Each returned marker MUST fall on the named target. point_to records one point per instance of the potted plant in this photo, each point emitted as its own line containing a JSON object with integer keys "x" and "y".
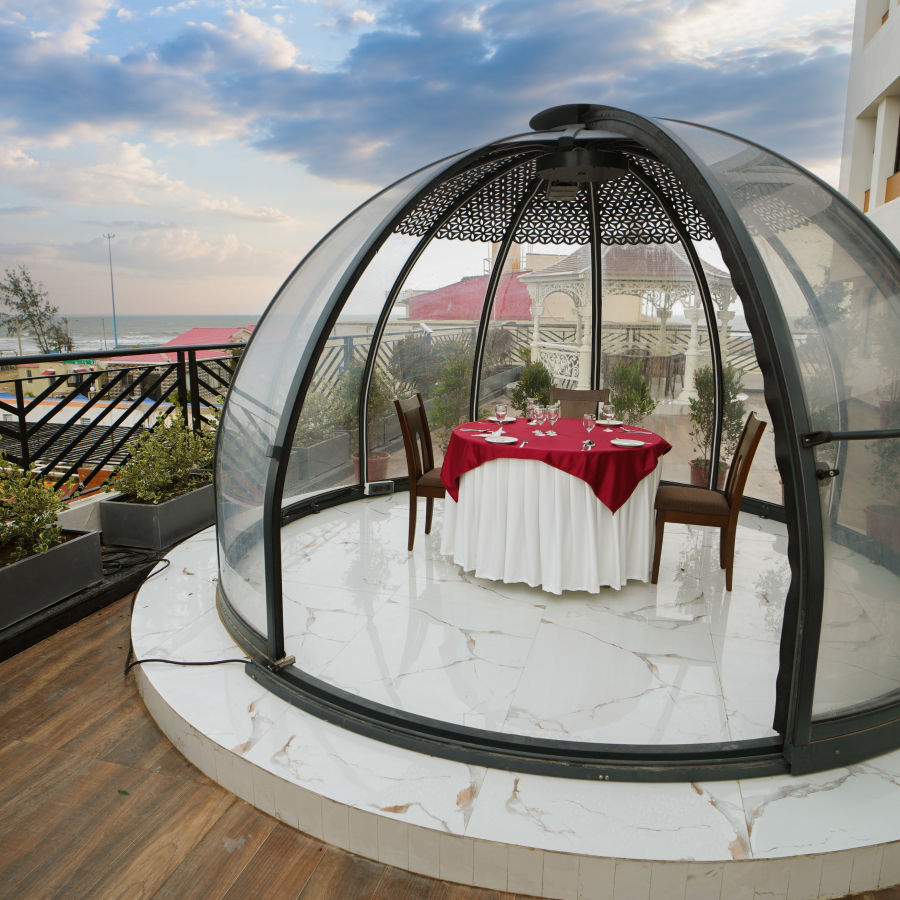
{"x": 703, "y": 421}
{"x": 40, "y": 564}
{"x": 629, "y": 394}
{"x": 382, "y": 392}
{"x": 534, "y": 380}
{"x": 165, "y": 490}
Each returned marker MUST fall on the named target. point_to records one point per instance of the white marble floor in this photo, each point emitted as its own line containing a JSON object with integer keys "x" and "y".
{"x": 679, "y": 662}
{"x": 684, "y": 661}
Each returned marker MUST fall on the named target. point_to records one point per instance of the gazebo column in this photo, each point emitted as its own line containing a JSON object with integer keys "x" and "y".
{"x": 691, "y": 356}
{"x": 663, "y": 314}
{"x": 585, "y": 321}
{"x": 725, "y": 317}
{"x": 537, "y": 310}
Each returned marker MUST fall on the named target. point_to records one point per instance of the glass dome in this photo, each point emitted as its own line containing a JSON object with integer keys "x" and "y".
{"x": 596, "y": 237}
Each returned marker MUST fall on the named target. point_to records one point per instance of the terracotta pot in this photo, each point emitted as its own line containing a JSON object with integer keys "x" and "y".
{"x": 376, "y": 465}
{"x": 700, "y": 474}
{"x": 883, "y": 525}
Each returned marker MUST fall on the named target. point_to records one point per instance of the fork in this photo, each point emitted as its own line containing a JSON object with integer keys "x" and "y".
{"x": 636, "y": 430}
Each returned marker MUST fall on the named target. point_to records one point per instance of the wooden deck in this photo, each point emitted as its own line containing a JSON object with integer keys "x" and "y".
{"x": 96, "y": 803}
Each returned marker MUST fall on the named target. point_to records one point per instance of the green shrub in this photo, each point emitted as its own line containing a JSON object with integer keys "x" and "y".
{"x": 28, "y": 511}
{"x": 450, "y": 404}
{"x": 167, "y": 461}
{"x": 629, "y": 393}
{"x": 382, "y": 392}
{"x": 703, "y": 412}
{"x": 535, "y": 381}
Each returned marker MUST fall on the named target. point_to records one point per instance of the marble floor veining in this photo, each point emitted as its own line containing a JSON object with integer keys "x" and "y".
{"x": 679, "y": 662}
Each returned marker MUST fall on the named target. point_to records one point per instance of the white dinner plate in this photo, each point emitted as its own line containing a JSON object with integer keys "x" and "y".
{"x": 627, "y": 442}
{"x": 507, "y": 419}
{"x": 610, "y": 422}
{"x": 501, "y": 439}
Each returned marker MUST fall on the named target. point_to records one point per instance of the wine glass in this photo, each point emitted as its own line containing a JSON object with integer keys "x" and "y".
{"x": 530, "y": 404}
{"x": 500, "y": 410}
{"x": 589, "y": 422}
{"x": 608, "y": 413}
{"x": 540, "y": 415}
{"x": 552, "y": 417}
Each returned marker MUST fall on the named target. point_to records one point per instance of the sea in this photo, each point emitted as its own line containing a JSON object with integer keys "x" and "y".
{"x": 97, "y": 332}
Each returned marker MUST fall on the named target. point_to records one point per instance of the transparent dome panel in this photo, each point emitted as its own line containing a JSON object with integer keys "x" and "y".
{"x": 837, "y": 281}
{"x": 429, "y": 345}
{"x": 839, "y": 289}
{"x": 558, "y": 332}
{"x": 261, "y": 394}
{"x": 325, "y": 446}
{"x": 859, "y": 649}
{"x": 654, "y": 328}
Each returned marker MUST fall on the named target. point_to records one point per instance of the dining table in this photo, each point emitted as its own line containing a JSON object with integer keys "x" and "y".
{"x": 566, "y": 511}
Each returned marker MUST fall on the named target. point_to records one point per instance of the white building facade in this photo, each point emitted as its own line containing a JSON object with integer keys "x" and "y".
{"x": 870, "y": 163}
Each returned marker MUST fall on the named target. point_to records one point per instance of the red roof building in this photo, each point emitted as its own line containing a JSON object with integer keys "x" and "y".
{"x": 189, "y": 338}
{"x": 463, "y": 301}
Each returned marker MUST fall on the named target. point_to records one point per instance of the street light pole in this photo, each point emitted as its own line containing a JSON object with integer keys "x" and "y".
{"x": 112, "y": 289}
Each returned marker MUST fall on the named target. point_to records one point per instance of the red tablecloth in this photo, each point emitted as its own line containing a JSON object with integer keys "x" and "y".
{"x": 612, "y": 472}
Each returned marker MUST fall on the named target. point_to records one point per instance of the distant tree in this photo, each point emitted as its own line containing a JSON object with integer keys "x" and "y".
{"x": 59, "y": 336}
{"x": 29, "y": 310}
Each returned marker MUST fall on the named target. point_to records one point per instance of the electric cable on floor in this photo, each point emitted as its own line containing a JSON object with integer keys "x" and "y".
{"x": 131, "y": 663}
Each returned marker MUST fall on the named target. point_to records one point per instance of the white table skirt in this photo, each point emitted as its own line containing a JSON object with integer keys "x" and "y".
{"x": 522, "y": 520}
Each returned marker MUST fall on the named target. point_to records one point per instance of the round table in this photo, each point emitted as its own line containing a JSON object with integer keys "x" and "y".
{"x": 547, "y": 512}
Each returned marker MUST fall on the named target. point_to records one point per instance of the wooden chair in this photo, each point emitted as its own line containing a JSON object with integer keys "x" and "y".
{"x": 424, "y": 478}
{"x": 573, "y": 404}
{"x": 700, "y": 506}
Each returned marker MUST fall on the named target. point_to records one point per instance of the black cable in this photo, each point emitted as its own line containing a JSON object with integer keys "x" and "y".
{"x": 153, "y": 571}
{"x": 131, "y": 663}
{"x": 181, "y": 662}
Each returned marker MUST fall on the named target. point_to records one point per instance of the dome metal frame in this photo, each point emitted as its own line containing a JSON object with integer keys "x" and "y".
{"x": 805, "y": 744}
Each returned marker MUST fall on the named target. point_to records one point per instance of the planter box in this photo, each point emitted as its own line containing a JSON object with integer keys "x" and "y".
{"x": 325, "y": 462}
{"x": 34, "y": 584}
{"x": 157, "y": 527}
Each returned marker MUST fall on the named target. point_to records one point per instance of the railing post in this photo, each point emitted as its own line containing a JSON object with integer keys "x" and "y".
{"x": 181, "y": 381}
{"x": 194, "y": 382}
{"x": 23, "y": 424}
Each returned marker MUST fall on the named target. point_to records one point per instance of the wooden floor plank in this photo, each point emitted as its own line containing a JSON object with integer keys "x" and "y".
{"x": 220, "y": 857}
{"x": 47, "y": 826}
{"x": 353, "y": 879}
{"x": 283, "y": 864}
{"x": 150, "y": 839}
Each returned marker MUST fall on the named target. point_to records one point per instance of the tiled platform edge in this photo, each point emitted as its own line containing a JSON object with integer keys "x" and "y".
{"x": 797, "y": 839}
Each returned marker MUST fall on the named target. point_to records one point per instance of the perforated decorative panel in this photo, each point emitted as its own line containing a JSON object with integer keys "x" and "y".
{"x": 629, "y": 213}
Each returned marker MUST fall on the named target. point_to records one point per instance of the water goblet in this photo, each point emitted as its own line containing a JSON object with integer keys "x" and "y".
{"x": 540, "y": 416}
{"x": 530, "y": 404}
{"x": 608, "y": 413}
{"x": 588, "y": 421}
{"x": 552, "y": 417}
{"x": 500, "y": 411}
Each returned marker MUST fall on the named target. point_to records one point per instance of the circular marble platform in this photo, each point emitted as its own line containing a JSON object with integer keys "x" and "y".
{"x": 796, "y": 838}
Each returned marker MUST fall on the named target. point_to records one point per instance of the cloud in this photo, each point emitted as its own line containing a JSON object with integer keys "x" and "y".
{"x": 425, "y": 79}
{"x": 24, "y": 211}
{"x": 234, "y": 208}
{"x": 125, "y": 174}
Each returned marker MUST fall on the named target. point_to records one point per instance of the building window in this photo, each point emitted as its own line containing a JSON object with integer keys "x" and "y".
{"x": 897, "y": 151}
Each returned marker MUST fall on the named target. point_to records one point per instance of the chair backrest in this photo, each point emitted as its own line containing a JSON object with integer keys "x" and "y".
{"x": 573, "y": 404}
{"x": 416, "y": 435}
{"x": 743, "y": 456}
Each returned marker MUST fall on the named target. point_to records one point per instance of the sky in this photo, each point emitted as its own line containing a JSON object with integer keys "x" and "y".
{"x": 218, "y": 141}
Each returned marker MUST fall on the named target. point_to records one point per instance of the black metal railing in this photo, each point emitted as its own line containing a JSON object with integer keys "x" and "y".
{"x": 79, "y": 421}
